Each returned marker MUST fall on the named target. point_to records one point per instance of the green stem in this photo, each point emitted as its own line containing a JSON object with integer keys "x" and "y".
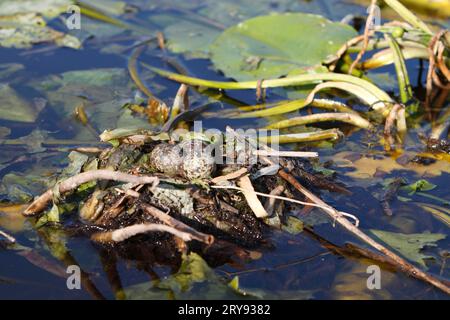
{"x": 350, "y": 118}
{"x": 400, "y": 68}
{"x": 331, "y": 134}
{"x": 285, "y": 107}
{"x": 408, "y": 16}
{"x": 386, "y": 57}
{"x": 298, "y": 80}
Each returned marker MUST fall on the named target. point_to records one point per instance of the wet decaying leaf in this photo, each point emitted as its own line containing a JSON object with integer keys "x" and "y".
{"x": 55, "y": 102}
{"x": 102, "y": 93}
{"x": 196, "y": 280}
{"x": 48, "y": 8}
{"x": 27, "y": 29}
{"x": 366, "y": 167}
{"x": 13, "y": 107}
{"x": 410, "y": 245}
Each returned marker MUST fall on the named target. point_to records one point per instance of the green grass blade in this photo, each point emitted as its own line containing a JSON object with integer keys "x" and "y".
{"x": 408, "y": 16}
{"x": 400, "y": 67}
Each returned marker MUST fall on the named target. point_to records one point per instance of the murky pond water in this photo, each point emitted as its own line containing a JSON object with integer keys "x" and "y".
{"x": 47, "y": 83}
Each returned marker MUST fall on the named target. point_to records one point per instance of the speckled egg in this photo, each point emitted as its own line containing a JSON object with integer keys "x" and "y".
{"x": 196, "y": 162}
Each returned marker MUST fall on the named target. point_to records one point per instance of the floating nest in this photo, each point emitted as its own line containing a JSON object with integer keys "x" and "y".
{"x": 160, "y": 191}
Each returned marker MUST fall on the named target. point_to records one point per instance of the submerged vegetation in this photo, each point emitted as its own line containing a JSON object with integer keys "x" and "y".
{"x": 110, "y": 154}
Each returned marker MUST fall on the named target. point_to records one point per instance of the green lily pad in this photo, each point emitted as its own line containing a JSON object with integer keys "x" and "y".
{"x": 271, "y": 46}
{"x": 193, "y": 41}
{"x": 13, "y": 107}
{"x": 409, "y": 245}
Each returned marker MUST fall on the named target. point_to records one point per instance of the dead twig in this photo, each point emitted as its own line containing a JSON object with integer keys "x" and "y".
{"x": 122, "y": 234}
{"x": 230, "y": 176}
{"x": 394, "y": 116}
{"x": 367, "y": 29}
{"x": 251, "y": 198}
{"x": 272, "y": 196}
{"x": 11, "y": 239}
{"x": 432, "y": 46}
{"x": 74, "y": 182}
{"x": 181, "y": 102}
{"x": 441, "y": 62}
{"x": 290, "y": 154}
{"x": 270, "y": 203}
{"x": 174, "y": 223}
{"x": 341, "y": 219}
{"x": 161, "y": 40}
{"x": 342, "y": 50}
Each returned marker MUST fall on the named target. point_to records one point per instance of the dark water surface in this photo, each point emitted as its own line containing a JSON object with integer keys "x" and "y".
{"x": 290, "y": 266}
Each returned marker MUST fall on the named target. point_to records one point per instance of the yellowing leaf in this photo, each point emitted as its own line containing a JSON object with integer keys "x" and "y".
{"x": 366, "y": 167}
{"x": 13, "y": 107}
{"x": 48, "y": 8}
{"x": 409, "y": 245}
{"x": 11, "y": 217}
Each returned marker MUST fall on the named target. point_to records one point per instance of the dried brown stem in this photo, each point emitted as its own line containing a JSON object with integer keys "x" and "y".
{"x": 74, "y": 182}
{"x": 122, "y": 234}
{"x": 251, "y": 197}
{"x": 11, "y": 239}
{"x": 174, "y": 223}
{"x": 290, "y": 154}
{"x": 270, "y": 203}
{"x": 441, "y": 62}
{"x": 389, "y": 125}
{"x": 367, "y": 29}
{"x": 181, "y": 102}
{"x": 230, "y": 176}
{"x": 342, "y": 50}
{"x": 431, "y": 70}
{"x": 340, "y": 219}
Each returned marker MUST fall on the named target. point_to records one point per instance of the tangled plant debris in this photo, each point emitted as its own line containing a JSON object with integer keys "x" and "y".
{"x": 148, "y": 193}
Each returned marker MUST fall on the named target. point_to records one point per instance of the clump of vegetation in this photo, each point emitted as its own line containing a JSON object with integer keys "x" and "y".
{"x": 154, "y": 192}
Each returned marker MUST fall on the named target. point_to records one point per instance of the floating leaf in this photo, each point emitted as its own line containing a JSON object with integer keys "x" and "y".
{"x": 272, "y": 46}
{"x": 13, "y": 107}
{"x": 293, "y": 225}
{"x": 367, "y": 167}
{"x": 194, "y": 280}
{"x": 269, "y": 294}
{"x": 102, "y": 91}
{"x": 11, "y": 217}
{"x": 48, "y": 8}
{"x": 4, "y": 132}
{"x": 77, "y": 161}
{"x": 409, "y": 245}
{"x": 25, "y": 30}
{"x": 190, "y": 37}
{"x": 110, "y": 7}
{"x": 420, "y": 185}
{"x": 441, "y": 213}
{"x": 9, "y": 69}
{"x": 51, "y": 216}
